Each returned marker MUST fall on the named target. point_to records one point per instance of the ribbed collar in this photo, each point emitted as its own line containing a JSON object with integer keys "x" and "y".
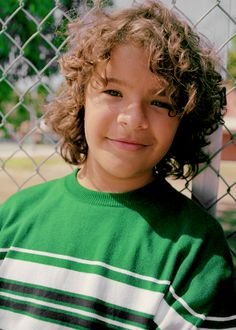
{"x": 146, "y": 194}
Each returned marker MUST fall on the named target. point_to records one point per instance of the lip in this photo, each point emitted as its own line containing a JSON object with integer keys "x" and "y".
{"x": 126, "y": 144}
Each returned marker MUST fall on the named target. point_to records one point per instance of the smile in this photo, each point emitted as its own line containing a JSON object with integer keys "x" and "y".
{"x": 126, "y": 144}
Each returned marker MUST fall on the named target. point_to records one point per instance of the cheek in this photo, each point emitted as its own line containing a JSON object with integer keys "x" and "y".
{"x": 167, "y": 125}
{"x": 166, "y": 131}
{"x": 89, "y": 123}
{"x": 95, "y": 124}
{"x": 172, "y": 132}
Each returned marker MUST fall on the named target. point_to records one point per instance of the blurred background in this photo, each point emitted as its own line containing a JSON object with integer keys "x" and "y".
{"x": 32, "y": 37}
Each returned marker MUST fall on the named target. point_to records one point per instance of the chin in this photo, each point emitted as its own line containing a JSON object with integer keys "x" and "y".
{"x": 126, "y": 173}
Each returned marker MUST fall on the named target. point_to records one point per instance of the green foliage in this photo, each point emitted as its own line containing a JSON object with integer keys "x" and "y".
{"x": 29, "y": 23}
{"x": 232, "y": 59}
{"x": 29, "y": 40}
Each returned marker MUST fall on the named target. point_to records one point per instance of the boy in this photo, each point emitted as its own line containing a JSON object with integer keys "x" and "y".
{"x": 113, "y": 245}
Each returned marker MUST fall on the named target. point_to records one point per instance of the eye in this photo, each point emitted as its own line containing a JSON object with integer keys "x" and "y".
{"x": 160, "y": 104}
{"x": 113, "y": 92}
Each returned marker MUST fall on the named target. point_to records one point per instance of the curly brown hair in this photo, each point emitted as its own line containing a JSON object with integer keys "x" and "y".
{"x": 176, "y": 54}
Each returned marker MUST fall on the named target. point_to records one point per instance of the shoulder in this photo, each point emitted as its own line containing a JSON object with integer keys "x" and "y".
{"x": 32, "y": 198}
{"x": 185, "y": 217}
{"x": 193, "y": 228}
{"x": 185, "y": 208}
{"x": 31, "y": 193}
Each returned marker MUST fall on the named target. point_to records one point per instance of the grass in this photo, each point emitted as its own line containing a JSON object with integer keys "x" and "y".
{"x": 26, "y": 164}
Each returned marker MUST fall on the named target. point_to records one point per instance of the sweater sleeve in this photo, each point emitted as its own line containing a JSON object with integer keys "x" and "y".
{"x": 3, "y": 239}
{"x": 5, "y": 212}
{"x": 1, "y": 217}
{"x": 203, "y": 290}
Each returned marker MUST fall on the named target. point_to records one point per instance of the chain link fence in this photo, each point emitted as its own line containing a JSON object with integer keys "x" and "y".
{"x": 31, "y": 40}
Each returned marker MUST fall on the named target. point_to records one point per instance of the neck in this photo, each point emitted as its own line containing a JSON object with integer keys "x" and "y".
{"x": 90, "y": 179}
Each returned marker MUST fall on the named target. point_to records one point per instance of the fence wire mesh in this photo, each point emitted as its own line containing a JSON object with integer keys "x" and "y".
{"x": 31, "y": 40}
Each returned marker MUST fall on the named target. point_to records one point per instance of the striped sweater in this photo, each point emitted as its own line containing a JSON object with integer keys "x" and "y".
{"x": 72, "y": 258}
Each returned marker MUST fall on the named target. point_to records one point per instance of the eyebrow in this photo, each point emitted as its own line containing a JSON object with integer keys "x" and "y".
{"x": 116, "y": 81}
{"x": 158, "y": 92}
{"x": 154, "y": 91}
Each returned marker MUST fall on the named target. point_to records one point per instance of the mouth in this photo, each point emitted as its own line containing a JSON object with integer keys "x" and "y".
{"x": 125, "y": 144}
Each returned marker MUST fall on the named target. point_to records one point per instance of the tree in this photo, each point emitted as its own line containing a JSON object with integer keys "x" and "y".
{"x": 231, "y": 67}
{"x": 31, "y": 38}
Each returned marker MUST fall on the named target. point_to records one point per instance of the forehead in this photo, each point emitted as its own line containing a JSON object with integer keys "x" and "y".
{"x": 129, "y": 65}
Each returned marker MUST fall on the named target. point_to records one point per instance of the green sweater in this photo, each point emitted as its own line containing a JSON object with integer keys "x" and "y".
{"x": 72, "y": 258}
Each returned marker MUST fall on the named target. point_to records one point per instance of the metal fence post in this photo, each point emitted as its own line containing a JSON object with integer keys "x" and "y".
{"x": 205, "y": 184}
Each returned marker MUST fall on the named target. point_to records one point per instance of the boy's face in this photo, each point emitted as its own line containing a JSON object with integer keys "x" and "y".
{"x": 127, "y": 126}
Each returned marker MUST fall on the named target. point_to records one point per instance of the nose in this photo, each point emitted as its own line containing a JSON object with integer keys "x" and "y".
{"x": 133, "y": 116}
